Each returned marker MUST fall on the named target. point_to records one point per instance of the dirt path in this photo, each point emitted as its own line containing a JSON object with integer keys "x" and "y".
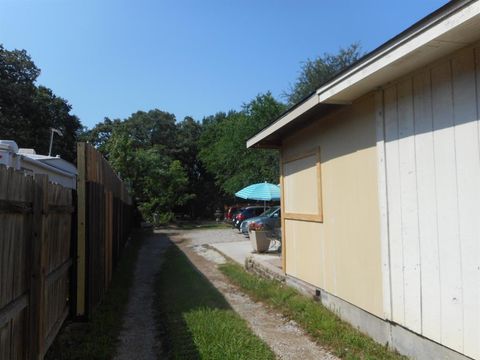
{"x": 285, "y": 338}
{"x": 139, "y": 339}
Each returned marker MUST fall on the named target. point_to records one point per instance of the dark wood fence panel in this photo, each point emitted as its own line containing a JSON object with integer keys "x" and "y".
{"x": 96, "y": 244}
{"x": 16, "y": 219}
{"x": 35, "y": 259}
{"x": 104, "y": 223}
{"x": 58, "y": 261}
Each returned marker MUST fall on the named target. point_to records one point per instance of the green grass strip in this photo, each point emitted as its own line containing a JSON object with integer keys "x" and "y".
{"x": 98, "y": 338}
{"x": 324, "y": 326}
{"x": 196, "y": 320}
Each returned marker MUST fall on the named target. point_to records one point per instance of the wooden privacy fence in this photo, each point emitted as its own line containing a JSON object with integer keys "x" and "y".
{"x": 104, "y": 223}
{"x": 35, "y": 259}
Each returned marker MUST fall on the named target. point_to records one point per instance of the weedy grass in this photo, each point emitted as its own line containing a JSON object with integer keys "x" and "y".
{"x": 98, "y": 338}
{"x": 203, "y": 225}
{"x": 321, "y": 324}
{"x": 195, "y": 320}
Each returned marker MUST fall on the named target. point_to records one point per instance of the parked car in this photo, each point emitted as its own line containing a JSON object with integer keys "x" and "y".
{"x": 247, "y": 213}
{"x": 231, "y": 212}
{"x": 270, "y": 219}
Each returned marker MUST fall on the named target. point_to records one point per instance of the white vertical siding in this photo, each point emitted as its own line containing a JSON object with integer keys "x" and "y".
{"x": 383, "y": 204}
{"x": 468, "y": 183}
{"x": 408, "y": 206}
{"x": 394, "y": 207}
{"x": 427, "y": 207}
{"x": 432, "y": 162}
{"x": 447, "y": 206}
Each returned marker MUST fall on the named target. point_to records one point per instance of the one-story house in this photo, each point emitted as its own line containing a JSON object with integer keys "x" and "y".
{"x": 380, "y": 175}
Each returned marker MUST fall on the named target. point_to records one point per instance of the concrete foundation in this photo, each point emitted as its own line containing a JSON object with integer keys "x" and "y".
{"x": 385, "y": 332}
{"x": 395, "y": 336}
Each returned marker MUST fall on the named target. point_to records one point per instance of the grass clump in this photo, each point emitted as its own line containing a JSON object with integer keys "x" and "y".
{"x": 324, "y": 326}
{"x": 196, "y": 320}
{"x": 98, "y": 338}
{"x": 201, "y": 225}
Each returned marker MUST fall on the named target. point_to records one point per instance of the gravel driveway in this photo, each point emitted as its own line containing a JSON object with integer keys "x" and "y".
{"x": 283, "y": 336}
{"x": 140, "y": 338}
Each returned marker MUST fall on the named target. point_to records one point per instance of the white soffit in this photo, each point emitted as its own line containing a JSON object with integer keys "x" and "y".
{"x": 403, "y": 56}
{"x": 299, "y": 110}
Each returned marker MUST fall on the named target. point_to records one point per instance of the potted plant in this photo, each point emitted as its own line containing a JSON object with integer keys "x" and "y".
{"x": 259, "y": 237}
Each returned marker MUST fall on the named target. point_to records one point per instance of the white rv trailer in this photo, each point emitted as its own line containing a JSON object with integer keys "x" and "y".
{"x": 59, "y": 171}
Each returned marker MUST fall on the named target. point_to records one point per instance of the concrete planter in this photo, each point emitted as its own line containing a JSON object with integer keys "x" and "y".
{"x": 260, "y": 241}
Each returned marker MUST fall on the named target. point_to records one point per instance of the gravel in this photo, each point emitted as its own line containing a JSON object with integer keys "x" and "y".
{"x": 139, "y": 338}
{"x": 287, "y": 340}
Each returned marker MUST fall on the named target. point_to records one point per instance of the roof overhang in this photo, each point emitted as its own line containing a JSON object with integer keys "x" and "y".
{"x": 455, "y": 25}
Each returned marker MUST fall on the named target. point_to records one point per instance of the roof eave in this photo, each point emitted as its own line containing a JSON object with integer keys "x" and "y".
{"x": 429, "y": 39}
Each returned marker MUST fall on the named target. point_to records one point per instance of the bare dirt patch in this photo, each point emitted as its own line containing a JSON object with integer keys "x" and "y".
{"x": 139, "y": 338}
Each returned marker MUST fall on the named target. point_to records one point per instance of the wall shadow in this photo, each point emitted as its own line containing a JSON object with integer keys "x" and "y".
{"x": 180, "y": 290}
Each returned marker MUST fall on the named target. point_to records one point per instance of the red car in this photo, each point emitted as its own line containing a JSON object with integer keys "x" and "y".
{"x": 231, "y": 212}
{"x": 247, "y": 213}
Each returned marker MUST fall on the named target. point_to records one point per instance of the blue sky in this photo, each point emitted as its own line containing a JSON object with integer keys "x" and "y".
{"x": 188, "y": 57}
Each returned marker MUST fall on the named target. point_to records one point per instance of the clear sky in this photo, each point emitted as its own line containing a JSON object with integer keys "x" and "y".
{"x": 188, "y": 57}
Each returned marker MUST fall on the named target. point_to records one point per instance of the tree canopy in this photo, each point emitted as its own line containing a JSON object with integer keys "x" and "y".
{"x": 28, "y": 111}
{"x": 223, "y": 150}
{"x": 158, "y": 157}
{"x": 173, "y": 167}
{"x": 314, "y": 73}
{"x": 193, "y": 167}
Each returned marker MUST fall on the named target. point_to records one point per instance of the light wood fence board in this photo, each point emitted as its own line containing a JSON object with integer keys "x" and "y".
{"x": 35, "y": 219}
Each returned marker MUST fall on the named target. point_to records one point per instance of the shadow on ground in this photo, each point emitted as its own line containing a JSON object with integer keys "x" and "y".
{"x": 181, "y": 293}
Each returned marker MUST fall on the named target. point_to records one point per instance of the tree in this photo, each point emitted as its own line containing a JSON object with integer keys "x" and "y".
{"x": 53, "y": 112}
{"x": 152, "y": 128}
{"x": 99, "y": 135}
{"x": 165, "y": 188}
{"x": 315, "y": 72}
{"x": 188, "y": 133}
{"x": 223, "y": 150}
{"x": 159, "y": 183}
{"x": 27, "y": 111}
{"x": 18, "y": 74}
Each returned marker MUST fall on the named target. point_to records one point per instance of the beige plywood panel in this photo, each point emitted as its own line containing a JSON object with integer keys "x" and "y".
{"x": 304, "y": 248}
{"x": 353, "y": 231}
{"x": 349, "y": 243}
{"x": 300, "y": 181}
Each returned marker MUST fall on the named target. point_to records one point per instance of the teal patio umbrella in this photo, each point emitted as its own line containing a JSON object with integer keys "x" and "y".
{"x": 261, "y": 191}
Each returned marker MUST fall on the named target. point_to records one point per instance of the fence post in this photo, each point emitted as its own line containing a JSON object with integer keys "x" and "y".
{"x": 81, "y": 246}
{"x": 73, "y": 255}
{"x": 37, "y": 279}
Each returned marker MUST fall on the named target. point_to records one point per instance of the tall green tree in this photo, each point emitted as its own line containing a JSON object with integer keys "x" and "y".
{"x": 138, "y": 149}
{"x": 200, "y": 182}
{"x": 152, "y": 128}
{"x": 314, "y": 73}
{"x": 222, "y": 145}
{"x": 100, "y": 134}
{"x": 54, "y": 112}
{"x": 28, "y": 111}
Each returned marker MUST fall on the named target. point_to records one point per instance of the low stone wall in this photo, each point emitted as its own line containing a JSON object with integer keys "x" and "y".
{"x": 263, "y": 268}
